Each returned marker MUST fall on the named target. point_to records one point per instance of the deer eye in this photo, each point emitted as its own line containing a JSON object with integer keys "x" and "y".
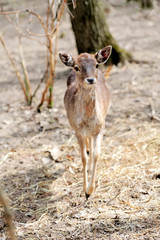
{"x": 76, "y": 68}
{"x": 97, "y": 65}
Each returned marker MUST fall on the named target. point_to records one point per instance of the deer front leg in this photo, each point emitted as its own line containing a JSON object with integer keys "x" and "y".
{"x": 96, "y": 154}
{"x": 82, "y": 144}
{"x": 90, "y": 153}
{"x": 89, "y": 147}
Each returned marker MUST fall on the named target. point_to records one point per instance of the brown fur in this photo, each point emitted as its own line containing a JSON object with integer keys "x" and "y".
{"x": 86, "y": 105}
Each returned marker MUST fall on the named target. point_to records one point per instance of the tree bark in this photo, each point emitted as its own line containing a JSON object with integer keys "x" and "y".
{"x": 92, "y": 32}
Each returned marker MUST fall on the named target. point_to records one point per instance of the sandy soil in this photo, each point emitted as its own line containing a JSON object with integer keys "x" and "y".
{"x": 40, "y": 168}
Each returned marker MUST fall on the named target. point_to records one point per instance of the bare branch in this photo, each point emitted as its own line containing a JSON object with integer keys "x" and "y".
{"x": 22, "y": 33}
{"x": 23, "y": 62}
{"x": 53, "y": 63}
{"x": 74, "y": 3}
{"x": 13, "y": 12}
{"x": 42, "y": 79}
{"x": 69, "y": 11}
{"x": 32, "y": 13}
{"x": 14, "y": 66}
{"x": 40, "y": 20}
{"x": 54, "y": 15}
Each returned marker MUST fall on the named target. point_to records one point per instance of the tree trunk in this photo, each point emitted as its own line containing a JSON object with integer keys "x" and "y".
{"x": 92, "y": 32}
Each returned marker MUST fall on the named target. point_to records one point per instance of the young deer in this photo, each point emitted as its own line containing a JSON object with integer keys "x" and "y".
{"x": 87, "y": 101}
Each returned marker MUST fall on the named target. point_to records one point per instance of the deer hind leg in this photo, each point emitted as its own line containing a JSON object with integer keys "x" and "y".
{"x": 96, "y": 154}
{"x": 82, "y": 144}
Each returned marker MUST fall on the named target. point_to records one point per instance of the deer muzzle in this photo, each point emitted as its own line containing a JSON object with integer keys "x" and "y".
{"x": 90, "y": 80}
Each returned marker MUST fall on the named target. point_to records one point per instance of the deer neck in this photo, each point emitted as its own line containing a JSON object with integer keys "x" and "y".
{"x": 87, "y": 101}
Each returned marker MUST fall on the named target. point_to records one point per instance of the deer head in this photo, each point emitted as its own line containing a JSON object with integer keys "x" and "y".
{"x": 86, "y": 65}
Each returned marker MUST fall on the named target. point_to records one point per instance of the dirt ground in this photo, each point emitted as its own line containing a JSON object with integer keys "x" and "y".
{"x": 40, "y": 167}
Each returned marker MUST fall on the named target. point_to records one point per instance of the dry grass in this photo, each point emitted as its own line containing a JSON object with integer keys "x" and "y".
{"x": 47, "y": 199}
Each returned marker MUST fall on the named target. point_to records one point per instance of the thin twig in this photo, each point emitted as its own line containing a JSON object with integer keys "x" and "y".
{"x": 70, "y": 13}
{"x": 42, "y": 79}
{"x": 41, "y": 21}
{"x": 50, "y": 81}
{"x": 14, "y": 66}
{"x": 13, "y": 12}
{"x": 59, "y": 16}
{"x": 22, "y": 33}
{"x": 44, "y": 93}
{"x": 74, "y": 4}
{"x": 7, "y": 214}
{"x": 35, "y": 34}
{"x": 26, "y": 78}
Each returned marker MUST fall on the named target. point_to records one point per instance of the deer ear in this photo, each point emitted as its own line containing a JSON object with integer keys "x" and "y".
{"x": 67, "y": 59}
{"x": 103, "y": 54}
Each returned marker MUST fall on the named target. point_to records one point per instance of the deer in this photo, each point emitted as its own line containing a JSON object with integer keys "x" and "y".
{"x": 87, "y": 101}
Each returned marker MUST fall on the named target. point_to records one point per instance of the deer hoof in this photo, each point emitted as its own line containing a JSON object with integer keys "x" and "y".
{"x": 87, "y": 195}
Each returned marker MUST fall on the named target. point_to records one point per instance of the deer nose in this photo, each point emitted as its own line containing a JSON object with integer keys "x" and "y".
{"x": 91, "y": 80}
